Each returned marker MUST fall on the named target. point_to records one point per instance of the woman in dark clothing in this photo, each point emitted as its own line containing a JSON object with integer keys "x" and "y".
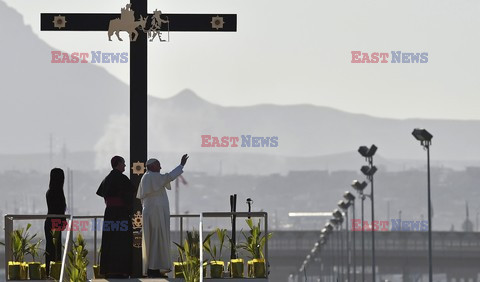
{"x": 117, "y": 234}
{"x": 56, "y": 205}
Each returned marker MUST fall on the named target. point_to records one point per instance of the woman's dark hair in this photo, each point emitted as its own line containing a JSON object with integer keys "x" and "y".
{"x": 57, "y": 178}
{"x": 55, "y": 195}
{"x": 116, "y": 160}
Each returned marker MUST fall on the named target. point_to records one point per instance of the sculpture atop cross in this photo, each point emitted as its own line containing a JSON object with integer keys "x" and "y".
{"x": 138, "y": 71}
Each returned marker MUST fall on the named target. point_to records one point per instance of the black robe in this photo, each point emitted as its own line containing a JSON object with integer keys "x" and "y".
{"x": 117, "y": 236}
{"x": 56, "y": 205}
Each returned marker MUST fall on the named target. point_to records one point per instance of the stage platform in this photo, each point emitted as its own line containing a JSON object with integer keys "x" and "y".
{"x": 182, "y": 280}
{"x": 169, "y": 280}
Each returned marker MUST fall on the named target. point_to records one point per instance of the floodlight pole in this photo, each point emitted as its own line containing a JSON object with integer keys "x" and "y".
{"x": 339, "y": 260}
{"x": 425, "y": 139}
{"x": 337, "y": 256}
{"x": 430, "y": 272}
{"x": 342, "y": 255}
{"x": 363, "y": 241}
{"x": 370, "y": 161}
{"x": 347, "y": 245}
{"x": 354, "y": 252}
{"x": 330, "y": 269}
{"x": 334, "y": 256}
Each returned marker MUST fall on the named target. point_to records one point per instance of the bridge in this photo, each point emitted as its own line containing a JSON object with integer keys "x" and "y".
{"x": 456, "y": 255}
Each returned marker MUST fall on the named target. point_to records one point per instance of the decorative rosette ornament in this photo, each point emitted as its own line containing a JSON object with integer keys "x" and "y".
{"x": 217, "y": 22}
{"x": 138, "y": 168}
{"x": 59, "y": 22}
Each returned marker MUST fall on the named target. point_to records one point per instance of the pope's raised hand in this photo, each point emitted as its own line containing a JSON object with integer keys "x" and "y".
{"x": 184, "y": 159}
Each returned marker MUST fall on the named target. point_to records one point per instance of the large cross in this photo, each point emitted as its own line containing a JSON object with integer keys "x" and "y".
{"x": 138, "y": 71}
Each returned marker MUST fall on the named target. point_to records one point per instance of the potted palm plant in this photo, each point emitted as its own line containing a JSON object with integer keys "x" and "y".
{"x": 78, "y": 262}
{"x": 34, "y": 267}
{"x": 254, "y": 244}
{"x": 18, "y": 268}
{"x": 188, "y": 266}
{"x": 235, "y": 265}
{"x": 216, "y": 264}
{"x": 56, "y": 265}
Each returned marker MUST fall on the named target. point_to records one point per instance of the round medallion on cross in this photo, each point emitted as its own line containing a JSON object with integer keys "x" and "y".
{"x": 217, "y": 22}
{"x": 138, "y": 168}
{"x": 59, "y": 22}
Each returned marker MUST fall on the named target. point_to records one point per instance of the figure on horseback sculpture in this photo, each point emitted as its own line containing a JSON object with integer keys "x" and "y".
{"x": 127, "y": 23}
{"x": 127, "y": 14}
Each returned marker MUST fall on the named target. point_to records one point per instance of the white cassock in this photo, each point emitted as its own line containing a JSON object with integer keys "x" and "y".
{"x": 156, "y": 219}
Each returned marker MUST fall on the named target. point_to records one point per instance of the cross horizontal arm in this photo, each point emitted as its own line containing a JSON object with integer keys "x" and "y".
{"x": 198, "y": 22}
{"x": 100, "y": 22}
{"x": 78, "y": 22}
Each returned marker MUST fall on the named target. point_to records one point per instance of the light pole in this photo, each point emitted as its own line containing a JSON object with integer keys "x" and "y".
{"x": 359, "y": 187}
{"x": 334, "y": 222}
{"x": 339, "y": 217}
{"x": 369, "y": 171}
{"x": 322, "y": 240}
{"x": 313, "y": 253}
{"x": 344, "y": 205}
{"x": 320, "y": 246}
{"x": 351, "y": 199}
{"x": 425, "y": 139}
{"x": 327, "y": 231}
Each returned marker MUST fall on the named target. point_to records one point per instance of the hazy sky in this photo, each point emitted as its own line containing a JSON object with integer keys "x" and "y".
{"x": 291, "y": 52}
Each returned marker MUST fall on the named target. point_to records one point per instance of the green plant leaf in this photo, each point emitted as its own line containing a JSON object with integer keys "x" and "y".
{"x": 77, "y": 258}
{"x": 221, "y": 238}
{"x": 179, "y": 246}
{"x": 255, "y": 242}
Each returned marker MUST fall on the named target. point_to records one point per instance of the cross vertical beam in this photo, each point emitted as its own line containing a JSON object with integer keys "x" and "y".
{"x": 138, "y": 116}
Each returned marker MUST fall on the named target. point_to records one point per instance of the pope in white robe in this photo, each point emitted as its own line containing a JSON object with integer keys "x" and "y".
{"x": 156, "y": 217}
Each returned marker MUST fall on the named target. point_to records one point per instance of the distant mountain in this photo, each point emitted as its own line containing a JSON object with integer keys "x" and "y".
{"x": 177, "y": 124}
{"x": 86, "y": 109}
{"x": 71, "y": 101}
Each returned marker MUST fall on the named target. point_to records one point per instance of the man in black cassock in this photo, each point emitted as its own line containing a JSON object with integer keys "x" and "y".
{"x": 117, "y": 236}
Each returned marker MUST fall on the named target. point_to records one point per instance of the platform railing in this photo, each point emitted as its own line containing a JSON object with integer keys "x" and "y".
{"x": 8, "y": 228}
{"x": 10, "y": 218}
